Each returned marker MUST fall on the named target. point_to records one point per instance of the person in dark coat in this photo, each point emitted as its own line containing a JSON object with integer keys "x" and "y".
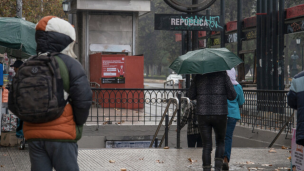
{"x": 193, "y": 136}
{"x": 296, "y": 101}
{"x": 211, "y": 92}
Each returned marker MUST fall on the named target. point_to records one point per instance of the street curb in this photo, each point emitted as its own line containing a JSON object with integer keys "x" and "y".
{"x": 153, "y": 81}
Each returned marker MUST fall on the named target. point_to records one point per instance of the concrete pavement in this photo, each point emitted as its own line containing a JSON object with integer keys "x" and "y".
{"x": 243, "y": 159}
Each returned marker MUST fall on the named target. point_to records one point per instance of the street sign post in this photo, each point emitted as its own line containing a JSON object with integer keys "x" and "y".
{"x": 188, "y": 22}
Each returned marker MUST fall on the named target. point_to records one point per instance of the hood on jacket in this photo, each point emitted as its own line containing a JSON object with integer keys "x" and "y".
{"x": 55, "y": 35}
{"x": 231, "y": 74}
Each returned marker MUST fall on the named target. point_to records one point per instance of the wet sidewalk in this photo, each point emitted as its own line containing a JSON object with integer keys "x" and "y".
{"x": 12, "y": 159}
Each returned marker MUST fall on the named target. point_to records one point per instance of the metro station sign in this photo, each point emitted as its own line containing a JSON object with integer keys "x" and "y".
{"x": 185, "y": 22}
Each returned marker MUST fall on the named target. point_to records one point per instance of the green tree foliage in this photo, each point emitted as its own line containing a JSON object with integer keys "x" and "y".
{"x": 33, "y": 10}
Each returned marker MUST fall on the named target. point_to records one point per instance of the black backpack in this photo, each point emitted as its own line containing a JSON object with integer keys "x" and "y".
{"x": 37, "y": 90}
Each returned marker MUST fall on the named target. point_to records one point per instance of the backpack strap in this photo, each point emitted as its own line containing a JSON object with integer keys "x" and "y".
{"x": 53, "y": 54}
{"x": 64, "y": 74}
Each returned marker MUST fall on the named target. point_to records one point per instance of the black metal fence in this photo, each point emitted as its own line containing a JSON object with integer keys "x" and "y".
{"x": 267, "y": 110}
{"x": 130, "y": 106}
{"x": 262, "y": 109}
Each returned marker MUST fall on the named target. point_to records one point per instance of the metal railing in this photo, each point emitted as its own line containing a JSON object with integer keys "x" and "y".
{"x": 262, "y": 109}
{"x": 266, "y": 109}
{"x": 169, "y": 81}
{"x": 175, "y": 101}
{"x": 130, "y": 106}
{"x": 171, "y": 101}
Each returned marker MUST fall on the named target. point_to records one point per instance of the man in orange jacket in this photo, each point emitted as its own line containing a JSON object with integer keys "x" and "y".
{"x": 54, "y": 144}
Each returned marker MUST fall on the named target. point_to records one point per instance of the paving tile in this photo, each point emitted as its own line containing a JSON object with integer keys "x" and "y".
{"x": 151, "y": 159}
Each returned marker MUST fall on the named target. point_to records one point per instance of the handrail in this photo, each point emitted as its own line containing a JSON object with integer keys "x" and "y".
{"x": 171, "y": 100}
{"x": 163, "y": 117}
{"x": 172, "y": 118}
{"x": 188, "y": 101}
{"x": 167, "y": 82}
{"x": 280, "y": 132}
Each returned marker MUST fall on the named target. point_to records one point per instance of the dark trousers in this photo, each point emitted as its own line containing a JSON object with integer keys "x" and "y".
{"x": 218, "y": 123}
{"x": 194, "y": 139}
{"x": 45, "y": 155}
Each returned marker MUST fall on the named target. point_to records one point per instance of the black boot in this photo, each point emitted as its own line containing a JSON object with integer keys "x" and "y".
{"x": 225, "y": 166}
{"x": 207, "y": 168}
{"x": 218, "y": 164}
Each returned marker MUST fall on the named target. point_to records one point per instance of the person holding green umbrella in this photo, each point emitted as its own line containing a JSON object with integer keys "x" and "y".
{"x": 211, "y": 87}
{"x": 211, "y": 92}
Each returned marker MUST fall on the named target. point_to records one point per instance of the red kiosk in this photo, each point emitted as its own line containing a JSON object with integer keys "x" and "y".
{"x": 122, "y": 72}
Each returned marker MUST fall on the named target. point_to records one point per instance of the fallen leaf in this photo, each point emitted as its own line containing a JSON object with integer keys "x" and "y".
{"x": 2, "y": 166}
{"x": 141, "y": 158}
{"x": 272, "y": 150}
{"x": 289, "y": 158}
{"x": 192, "y": 161}
{"x": 241, "y": 163}
{"x": 283, "y": 147}
{"x": 112, "y": 161}
{"x": 123, "y": 169}
{"x": 118, "y": 123}
{"x": 266, "y": 164}
{"x": 249, "y": 162}
{"x": 157, "y": 161}
{"x": 166, "y": 147}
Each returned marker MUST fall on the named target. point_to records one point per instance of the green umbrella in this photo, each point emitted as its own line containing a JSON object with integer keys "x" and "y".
{"x": 17, "y": 37}
{"x": 205, "y": 61}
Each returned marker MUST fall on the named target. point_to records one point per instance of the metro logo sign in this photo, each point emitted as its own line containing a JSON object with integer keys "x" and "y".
{"x": 189, "y": 21}
{"x": 185, "y": 22}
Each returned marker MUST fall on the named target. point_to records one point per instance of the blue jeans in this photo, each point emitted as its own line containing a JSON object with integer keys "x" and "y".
{"x": 231, "y": 122}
